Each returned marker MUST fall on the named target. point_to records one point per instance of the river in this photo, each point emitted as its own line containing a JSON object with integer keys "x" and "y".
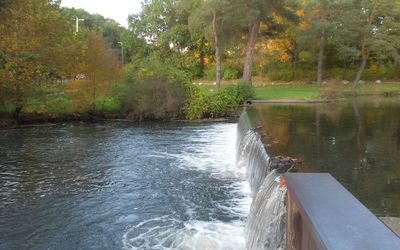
{"x": 120, "y": 185}
{"x": 116, "y": 185}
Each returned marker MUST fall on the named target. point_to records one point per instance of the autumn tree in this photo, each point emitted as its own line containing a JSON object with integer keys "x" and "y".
{"x": 101, "y": 66}
{"x": 36, "y": 48}
{"x": 260, "y": 13}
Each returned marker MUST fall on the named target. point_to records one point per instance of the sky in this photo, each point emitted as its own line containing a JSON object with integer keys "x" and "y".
{"x": 114, "y": 9}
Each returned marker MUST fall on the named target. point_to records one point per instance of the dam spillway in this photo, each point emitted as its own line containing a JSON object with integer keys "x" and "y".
{"x": 343, "y": 222}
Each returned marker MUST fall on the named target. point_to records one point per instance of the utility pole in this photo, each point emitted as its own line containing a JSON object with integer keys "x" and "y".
{"x": 122, "y": 52}
{"x": 77, "y": 20}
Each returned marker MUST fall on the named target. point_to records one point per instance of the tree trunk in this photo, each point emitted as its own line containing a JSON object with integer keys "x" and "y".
{"x": 321, "y": 58}
{"x": 251, "y": 46}
{"x": 360, "y": 70}
{"x": 217, "y": 52}
{"x": 202, "y": 56}
{"x": 94, "y": 92}
{"x": 293, "y": 62}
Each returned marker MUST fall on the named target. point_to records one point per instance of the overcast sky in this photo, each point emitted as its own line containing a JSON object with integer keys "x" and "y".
{"x": 115, "y": 9}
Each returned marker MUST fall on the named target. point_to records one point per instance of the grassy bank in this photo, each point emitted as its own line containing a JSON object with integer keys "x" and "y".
{"x": 73, "y": 101}
{"x": 329, "y": 91}
{"x": 295, "y": 92}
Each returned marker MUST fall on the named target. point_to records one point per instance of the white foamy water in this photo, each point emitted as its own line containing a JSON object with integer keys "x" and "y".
{"x": 210, "y": 151}
{"x": 168, "y": 233}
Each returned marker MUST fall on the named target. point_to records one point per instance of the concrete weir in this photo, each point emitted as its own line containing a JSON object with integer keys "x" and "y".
{"x": 322, "y": 214}
{"x": 304, "y": 211}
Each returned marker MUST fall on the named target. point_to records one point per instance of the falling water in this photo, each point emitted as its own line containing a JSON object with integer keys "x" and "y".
{"x": 266, "y": 226}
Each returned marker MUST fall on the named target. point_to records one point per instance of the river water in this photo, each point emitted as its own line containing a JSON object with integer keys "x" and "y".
{"x": 115, "y": 185}
{"x": 357, "y": 141}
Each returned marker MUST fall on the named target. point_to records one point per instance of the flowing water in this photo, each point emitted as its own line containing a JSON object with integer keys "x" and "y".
{"x": 122, "y": 186}
{"x": 116, "y": 185}
{"x": 266, "y": 223}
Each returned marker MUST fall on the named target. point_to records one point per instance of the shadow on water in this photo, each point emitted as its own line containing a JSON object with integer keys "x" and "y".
{"x": 358, "y": 142}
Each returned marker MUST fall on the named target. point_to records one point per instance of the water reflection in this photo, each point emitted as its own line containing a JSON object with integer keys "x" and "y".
{"x": 358, "y": 142}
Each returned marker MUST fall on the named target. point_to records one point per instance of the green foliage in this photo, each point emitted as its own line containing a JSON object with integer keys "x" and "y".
{"x": 60, "y": 104}
{"x": 154, "y": 90}
{"x": 227, "y": 73}
{"x": 6, "y": 107}
{"x": 209, "y": 73}
{"x": 196, "y": 105}
{"x": 108, "y": 28}
{"x": 230, "y": 74}
{"x": 108, "y": 104}
{"x": 288, "y": 75}
{"x": 220, "y": 104}
{"x": 36, "y": 48}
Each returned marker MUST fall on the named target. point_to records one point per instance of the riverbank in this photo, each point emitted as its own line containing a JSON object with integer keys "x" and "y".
{"x": 330, "y": 91}
{"x": 7, "y": 120}
{"x": 272, "y": 92}
{"x": 295, "y": 91}
{"x": 36, "y": 120}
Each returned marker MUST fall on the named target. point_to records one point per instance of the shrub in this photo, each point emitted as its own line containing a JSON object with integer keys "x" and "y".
{"x": 59, "y": 104}
{"x": 196, "y": 105}
{"x": 230, "y": 74}
{"x": 210, "y": 73}
{"x": 220, "y": 104}
{"x": 108, "y": 104}
{"x": 154, "y": 90}
{"x": 288, "y": 75}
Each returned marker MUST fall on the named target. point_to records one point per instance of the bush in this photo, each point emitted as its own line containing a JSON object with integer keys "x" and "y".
{"x": 7, "y": 107}
{"x": 108, "y": 104}
{"x": 288, "y": 75}
{"x": 59, "y": 104}
{"x": 230, "y": 74}
{"x": 196, "y": 105}
{"x": 210, "y": 73}
{"x": 154, "y": 90}
{"x": 220, "y": 104}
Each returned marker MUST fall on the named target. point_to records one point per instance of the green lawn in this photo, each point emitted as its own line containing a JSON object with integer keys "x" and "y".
{"x": 293, "y": 92}
{"x": 312, "y": 92}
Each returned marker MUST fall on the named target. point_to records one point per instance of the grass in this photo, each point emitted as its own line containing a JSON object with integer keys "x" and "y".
{"x": 293, "y": 92}
{"x": 312, "y": 92}
{"x": 308, "y": 92}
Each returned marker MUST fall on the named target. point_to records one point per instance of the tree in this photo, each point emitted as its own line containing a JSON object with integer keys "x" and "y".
{"x": 36, "y": 48}
{"x": 320, "y": 28}
{"x": 325, "y": 21}
{"x": 101, "y": 65}
{"x": 163, "y": 26}
{"x": 218, "y": 21}
{"x": 378, "y": 31}
{"x": 108, "y": 28}
{"x": 258, "y": 12}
